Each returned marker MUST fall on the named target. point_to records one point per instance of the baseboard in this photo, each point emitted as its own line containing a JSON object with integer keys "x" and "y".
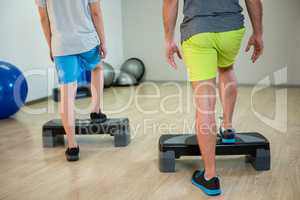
{"x": 39, "y": 100}
{"x": 240, "y": 84}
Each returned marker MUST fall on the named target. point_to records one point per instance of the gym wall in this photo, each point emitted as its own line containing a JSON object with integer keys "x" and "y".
{"x": 23, "y": 44}
{"x": 143, "y": 38}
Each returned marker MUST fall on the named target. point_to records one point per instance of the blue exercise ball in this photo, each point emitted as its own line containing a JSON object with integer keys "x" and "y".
{"x": 13, "y": 89}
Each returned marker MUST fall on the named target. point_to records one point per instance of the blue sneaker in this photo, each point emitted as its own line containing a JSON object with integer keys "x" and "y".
{"x": 210, "y": 187}
{"x": 228, "y": 135}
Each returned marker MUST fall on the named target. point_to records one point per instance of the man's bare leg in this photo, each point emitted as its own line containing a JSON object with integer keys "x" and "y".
{"x": 67, "y": 106}
{"x": 228, "y": 94}
{"x": 97, "y": 85}
{"x": 205, "y": 99}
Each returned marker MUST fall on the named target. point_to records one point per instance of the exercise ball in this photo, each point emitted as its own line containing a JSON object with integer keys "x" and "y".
{"x": 135, "y": 67}
{"x": 125, "y": 79}
{"x": 13, "y": 89}
{"x": 109, "y": 74}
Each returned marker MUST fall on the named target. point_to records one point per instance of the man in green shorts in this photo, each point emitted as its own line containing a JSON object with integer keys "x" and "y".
{"x": 211, "y": 36}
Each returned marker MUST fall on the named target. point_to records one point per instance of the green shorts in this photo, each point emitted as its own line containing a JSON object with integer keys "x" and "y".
{"x": 205, "y": 52}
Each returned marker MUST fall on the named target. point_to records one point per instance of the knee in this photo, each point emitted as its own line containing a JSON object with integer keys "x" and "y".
{"x": 98, "y": 67}
{"x": 227, "y": 77}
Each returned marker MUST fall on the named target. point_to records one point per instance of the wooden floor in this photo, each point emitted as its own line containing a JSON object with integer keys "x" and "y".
{"x": 27, "y": 171}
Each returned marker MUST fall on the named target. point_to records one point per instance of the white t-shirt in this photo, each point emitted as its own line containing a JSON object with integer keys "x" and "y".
{"x": 72, "y": 27}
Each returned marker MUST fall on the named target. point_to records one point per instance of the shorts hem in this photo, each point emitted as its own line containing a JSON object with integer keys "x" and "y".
{"x": 67, "y": 82}
{"x": 95, "y": 66}
{"x": 227, "y": 65}
{"x": 202, "y": 79}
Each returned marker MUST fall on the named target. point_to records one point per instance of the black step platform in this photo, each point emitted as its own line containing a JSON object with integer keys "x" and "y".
{"x": 254, "y": 145}
{"x": 53, "y": 131}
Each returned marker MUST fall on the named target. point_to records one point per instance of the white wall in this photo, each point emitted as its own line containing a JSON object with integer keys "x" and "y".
{"x": 112, "y": 11}
{"x": 143, "y": 38}
{"x": 22, "y": 42}
{"x": 134, "y": 27}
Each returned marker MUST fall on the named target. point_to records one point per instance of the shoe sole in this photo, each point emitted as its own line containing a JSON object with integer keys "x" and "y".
{"x": 208, "y": 192}
{"x": 72, "y": 158}
{"x": 228, "y": 141}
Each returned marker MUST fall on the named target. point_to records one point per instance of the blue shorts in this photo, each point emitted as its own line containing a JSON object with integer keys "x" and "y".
{"x": 70, "y": 67}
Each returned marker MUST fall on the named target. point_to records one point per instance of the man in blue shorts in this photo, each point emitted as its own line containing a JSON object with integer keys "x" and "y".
{"x": 75, "y": 35}
{"x": 211, "y": 36}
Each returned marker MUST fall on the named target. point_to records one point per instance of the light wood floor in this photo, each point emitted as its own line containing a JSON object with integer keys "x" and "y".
{"x": 27, "y": 171}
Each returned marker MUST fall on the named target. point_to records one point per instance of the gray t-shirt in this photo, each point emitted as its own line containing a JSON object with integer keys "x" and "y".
{"x": 210, "y": 16}
{"x": 72, "y": 27}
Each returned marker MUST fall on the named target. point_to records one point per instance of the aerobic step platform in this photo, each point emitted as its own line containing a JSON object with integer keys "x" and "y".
{"x": 53, "y": 131}
{"x": 254, "y": 145}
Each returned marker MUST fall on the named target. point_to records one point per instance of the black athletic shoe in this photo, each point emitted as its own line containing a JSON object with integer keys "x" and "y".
{"x": 98, "y": 117}
{"x": 72, "y": 154}
{"x": 228, "y": 135}
{"x": 210, "y": 187}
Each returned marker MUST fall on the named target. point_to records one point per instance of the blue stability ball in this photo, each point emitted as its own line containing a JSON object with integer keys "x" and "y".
{"x": 13, "y": 90}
